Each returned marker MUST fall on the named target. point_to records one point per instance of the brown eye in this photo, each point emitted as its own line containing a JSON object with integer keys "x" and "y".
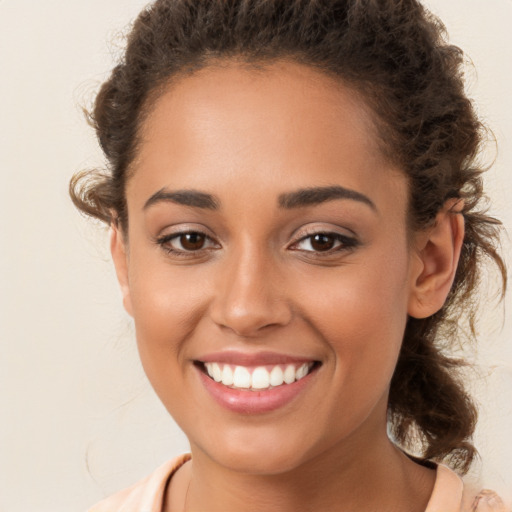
{"x": 192, "y": 241}
{"x": 322, "y": 242}
{"x": 325, "y": 242}
{"x": 186, "y": 243}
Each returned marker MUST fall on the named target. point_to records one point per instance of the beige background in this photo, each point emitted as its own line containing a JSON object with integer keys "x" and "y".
{"x": 78, "y": 418}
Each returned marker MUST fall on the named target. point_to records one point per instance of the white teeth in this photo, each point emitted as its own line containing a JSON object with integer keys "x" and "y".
{"x": 276, "y": 376}
{"x": 217, "y": 373}
{"x": 241, "y": 377}
{"x": 289, "y": 374}
{"x": 227, "y": 375}
{"x": 302, "y": 371}
{"x": 260, "y": 378}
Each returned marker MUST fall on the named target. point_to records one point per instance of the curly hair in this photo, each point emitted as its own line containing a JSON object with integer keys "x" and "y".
{"x": 396, "y": 55}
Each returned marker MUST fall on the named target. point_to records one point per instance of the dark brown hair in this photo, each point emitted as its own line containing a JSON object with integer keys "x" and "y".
{"x": 395, "y": 54}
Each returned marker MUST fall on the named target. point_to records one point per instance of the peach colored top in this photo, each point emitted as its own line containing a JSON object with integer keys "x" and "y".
{"x": 147, "y": 495}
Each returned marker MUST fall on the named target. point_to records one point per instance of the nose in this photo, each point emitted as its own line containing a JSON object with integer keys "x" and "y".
{"x": 250, "y": 296}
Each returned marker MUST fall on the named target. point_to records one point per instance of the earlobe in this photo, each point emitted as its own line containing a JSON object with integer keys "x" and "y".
{"x": 437, "y": 256}
{"x": 120, "y": 258}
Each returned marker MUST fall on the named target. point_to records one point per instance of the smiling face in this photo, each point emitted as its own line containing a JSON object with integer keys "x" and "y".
{"x": 266, "y": 230}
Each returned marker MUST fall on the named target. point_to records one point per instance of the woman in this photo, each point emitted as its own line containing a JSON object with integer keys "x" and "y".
{"x": 296, "y": 222}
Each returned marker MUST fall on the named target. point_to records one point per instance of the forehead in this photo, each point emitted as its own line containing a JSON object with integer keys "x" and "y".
{"x": 236, "y": 94}
{"x": 284, "y": 123}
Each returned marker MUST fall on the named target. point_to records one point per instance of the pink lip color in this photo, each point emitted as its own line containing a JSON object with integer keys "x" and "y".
{"x": 257, "y": 359}
{"x": 254, "y": 402}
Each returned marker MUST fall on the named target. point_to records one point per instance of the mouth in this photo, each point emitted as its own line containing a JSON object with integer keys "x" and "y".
{"x": 256, "y": 378}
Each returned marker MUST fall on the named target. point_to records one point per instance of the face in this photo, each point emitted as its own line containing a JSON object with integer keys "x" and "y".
{"x": 266, "y": 231}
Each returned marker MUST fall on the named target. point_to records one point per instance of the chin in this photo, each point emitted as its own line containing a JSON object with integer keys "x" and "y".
{"x": 260, "y": 462}
{"x": 261, "y": 453}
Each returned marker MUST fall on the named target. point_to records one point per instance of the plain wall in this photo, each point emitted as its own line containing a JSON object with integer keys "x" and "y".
{"x": 79, "y": 420}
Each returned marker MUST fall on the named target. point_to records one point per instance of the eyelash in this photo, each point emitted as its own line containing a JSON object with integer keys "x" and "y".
{"x": 347, "y": 243}
{"x": 164, "y": 241}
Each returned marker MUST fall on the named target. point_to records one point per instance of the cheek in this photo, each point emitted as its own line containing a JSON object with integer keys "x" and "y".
{"x": 370, "y": 295}
{"x": 167, "y": 306}
{"x": 361, "y": 315}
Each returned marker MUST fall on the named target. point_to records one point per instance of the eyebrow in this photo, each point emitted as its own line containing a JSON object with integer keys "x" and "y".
{"x": 317, "y": 195}
{"x": 184, "y": 197}
{"x": 290, "y": 200}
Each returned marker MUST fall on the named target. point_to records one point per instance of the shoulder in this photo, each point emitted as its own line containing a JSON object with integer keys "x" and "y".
{"x": 483, "y": 501}
{"x": 451, "y": 494}
{"x": 146, "y": 495}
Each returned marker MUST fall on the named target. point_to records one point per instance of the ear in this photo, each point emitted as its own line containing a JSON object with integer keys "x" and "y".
{"x": 119, "y": 253}
{"x": 436, "y": 259}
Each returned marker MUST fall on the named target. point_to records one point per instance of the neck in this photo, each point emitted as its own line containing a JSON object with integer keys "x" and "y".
{"x": 361, "y": 477}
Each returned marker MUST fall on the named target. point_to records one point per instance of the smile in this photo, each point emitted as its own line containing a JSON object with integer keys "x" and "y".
{"x": 255, "y": 383}
{"x": 257, "y": 378}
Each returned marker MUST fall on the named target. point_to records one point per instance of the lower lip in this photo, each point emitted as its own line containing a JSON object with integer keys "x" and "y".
{"x": 254, "y": 402}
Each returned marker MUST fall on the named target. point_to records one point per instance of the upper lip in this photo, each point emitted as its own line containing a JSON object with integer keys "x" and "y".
{"x": 252, "y": 359}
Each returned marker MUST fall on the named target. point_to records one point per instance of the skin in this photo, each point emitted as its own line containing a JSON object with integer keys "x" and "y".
{"x": 247, "y": 136}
